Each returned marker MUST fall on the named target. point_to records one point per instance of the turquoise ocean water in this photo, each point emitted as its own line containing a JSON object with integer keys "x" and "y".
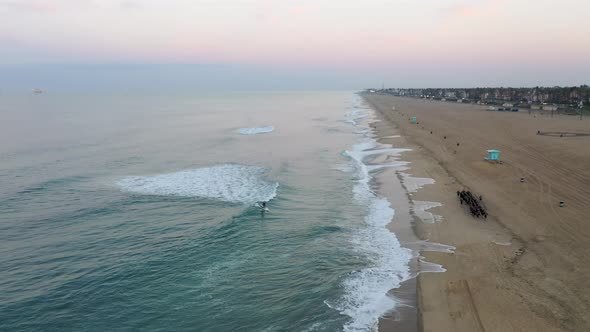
{"x": 136, "y": 212}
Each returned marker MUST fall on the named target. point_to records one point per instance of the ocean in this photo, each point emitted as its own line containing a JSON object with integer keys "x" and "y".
{"x": 138, "y": 212}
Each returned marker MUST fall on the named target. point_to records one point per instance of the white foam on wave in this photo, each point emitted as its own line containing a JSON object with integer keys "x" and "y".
{"x": 256, "y": 130}
{"x": 366, "y": 296}
{"x": 429, "y": 267}
{"x": 413, "y": 184}
{"x": 369, "y": 147}
{"x": 230, "y": 183}
{"x": 420, "y": 209}
{"x": 355, "y": 114}
{"x": 422, "y": 245}
{"x": 345, "y": 168}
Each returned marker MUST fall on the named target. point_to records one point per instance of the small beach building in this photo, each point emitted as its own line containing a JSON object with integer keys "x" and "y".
{"x": 493, "y": 155}
{"x": 413, "y": 119}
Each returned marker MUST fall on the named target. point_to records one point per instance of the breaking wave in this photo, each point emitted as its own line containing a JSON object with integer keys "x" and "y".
{"x": 229, "y": 183}
{"x": 366, "y": 297}
{"x": 256, "y": 130}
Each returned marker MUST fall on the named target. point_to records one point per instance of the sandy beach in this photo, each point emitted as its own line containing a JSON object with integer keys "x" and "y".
{"x": 525, "y": 268}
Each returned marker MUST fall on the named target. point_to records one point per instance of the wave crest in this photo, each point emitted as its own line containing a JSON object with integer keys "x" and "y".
{"x": 256, "y": 130}
{"x": 230, "y": 183}
{"x": 366, "y": 297}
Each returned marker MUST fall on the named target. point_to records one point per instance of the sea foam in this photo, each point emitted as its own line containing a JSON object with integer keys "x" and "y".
{"x": 356, "y": 114}
{"x": 256, "y": 130}
{"x": 366, "y": 296}
{"x": 230, "y": 183}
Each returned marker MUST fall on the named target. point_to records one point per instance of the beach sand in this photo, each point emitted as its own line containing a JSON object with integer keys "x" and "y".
{"x": 526, "y": 267}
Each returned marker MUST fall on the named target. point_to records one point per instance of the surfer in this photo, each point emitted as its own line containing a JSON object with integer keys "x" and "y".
{"x": 262, "y": 207}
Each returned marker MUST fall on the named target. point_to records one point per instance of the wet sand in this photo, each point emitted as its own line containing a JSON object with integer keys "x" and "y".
{"x": 526, "y": 267}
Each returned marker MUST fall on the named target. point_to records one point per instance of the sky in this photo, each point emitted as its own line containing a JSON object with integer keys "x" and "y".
{"x": 314, "y": 43}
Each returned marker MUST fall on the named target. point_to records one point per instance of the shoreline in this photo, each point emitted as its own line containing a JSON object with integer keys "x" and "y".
{"x": 399, "y": 192}
{"x": 396, "y": 295}
{"x": 503, "y": 274}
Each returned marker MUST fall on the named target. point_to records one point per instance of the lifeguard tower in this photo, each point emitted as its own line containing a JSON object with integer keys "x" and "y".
{"x": 414, "y": 120}
{"x": 493, "y": 156}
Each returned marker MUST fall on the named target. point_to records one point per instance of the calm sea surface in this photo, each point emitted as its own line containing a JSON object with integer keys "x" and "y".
{"x": 136, "y": 212}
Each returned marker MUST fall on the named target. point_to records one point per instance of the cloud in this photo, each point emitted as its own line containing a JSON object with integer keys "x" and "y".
{"x": 473, "y": 9}
{"x": 463, "y": 10}
{"x": 46, "y": 6}
{"x": 29, "y": 5}
{"x": 304, "y": 9}
{"x": 407, "y": 40}
{"x": 131, "y": 5}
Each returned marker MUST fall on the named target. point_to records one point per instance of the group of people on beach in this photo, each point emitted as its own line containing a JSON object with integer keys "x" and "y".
{"x": 475, "y": 205}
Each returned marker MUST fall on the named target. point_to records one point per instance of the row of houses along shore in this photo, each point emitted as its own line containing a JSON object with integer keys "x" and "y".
{"x": 549, "y": 98}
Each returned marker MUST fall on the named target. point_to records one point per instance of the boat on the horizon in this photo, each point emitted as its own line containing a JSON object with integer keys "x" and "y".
{"x": 37, "y": 91}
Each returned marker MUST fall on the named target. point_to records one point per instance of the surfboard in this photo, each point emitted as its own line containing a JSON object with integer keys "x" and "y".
{"x": 263, "y": 209}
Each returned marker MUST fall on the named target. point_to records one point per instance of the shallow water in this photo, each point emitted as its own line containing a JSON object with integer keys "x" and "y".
{"x": 126, "y": 212}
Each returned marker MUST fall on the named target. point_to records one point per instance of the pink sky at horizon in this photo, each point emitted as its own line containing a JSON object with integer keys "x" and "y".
{"x": 299, "y": 33}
